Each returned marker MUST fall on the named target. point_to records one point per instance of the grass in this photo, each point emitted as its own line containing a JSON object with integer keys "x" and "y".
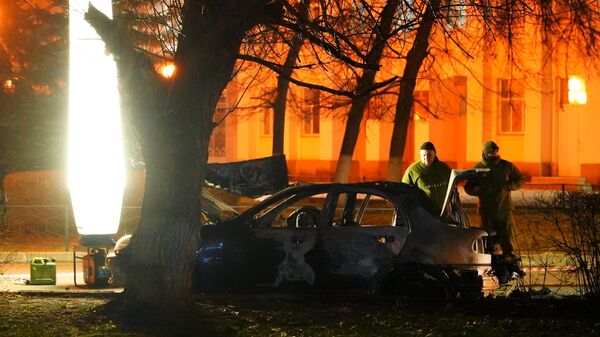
{"x": 286, "y": 316}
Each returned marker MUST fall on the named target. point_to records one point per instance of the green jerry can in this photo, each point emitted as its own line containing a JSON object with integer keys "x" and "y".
{"x": 43, "y": 271}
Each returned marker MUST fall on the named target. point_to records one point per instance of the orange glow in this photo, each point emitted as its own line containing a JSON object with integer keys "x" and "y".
{"x": 167, "y": 70}
{"x": 577, "y": 92}
{"x": 9, "y": 86}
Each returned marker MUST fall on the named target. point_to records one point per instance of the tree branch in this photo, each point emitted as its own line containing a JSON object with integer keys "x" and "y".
{"x": 279, "y": 69}
{"x": 142, "y": 90}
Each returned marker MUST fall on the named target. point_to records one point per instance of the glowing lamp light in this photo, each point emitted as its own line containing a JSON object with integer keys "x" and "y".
{"x": 577, "y": 92}
{"x": 167, "y": 70}
{"x": 96, "y": 169}
{"x": 8, "y": 86}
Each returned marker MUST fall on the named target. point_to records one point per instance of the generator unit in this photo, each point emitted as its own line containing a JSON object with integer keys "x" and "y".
{"x": 95, "y": 273}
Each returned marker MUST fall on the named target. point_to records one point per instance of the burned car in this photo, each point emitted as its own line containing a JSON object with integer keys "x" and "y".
{"x": 212, "y": 210}
{"x": 377, "y": 237}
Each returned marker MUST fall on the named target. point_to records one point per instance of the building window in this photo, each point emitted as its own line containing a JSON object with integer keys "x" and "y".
{"x": 217, "y": 144}
{"x": 573, "y": 90}
{"x": 512, "y": 106}
{"x": 456, "y": 15}
{"x": 420, "y": 109}
{"x": 377, "y": 108}
{"x": 311, "y": 114}
{"x": 406, "y": 16}
{"x": 267, "y": 122}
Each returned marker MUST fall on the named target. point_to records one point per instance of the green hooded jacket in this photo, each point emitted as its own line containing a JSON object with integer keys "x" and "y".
{"x": 494, "y": 189}
{"x": 433, "y": 180}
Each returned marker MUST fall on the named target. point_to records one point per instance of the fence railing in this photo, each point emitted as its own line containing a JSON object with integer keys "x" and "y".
{"x": 56, "y": 220}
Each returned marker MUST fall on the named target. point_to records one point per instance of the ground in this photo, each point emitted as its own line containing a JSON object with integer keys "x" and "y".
{"x": 64, "y": 314}
{"x": 286, "y": 316}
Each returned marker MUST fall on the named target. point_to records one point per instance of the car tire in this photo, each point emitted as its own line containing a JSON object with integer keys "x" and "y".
{"x": 418, "y": 281}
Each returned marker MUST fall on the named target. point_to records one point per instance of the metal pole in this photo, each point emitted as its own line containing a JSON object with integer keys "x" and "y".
{"x": 125, "y": 222}
{"x": 4, "y": 214}
{"x": 67, "y": 230}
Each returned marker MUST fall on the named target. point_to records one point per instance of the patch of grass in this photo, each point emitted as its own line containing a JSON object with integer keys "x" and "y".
{"x": 299, "y": 316}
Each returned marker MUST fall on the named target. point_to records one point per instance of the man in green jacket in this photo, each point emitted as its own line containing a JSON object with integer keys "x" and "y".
{"x": 430, "y": 175}
{"x": 493, "y": 190}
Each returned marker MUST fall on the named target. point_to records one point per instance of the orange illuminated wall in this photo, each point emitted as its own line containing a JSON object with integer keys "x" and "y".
{"x": 544, "y": 135}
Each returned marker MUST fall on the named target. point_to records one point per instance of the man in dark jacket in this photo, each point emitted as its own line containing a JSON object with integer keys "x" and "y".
{"x": 430, "y": 175}
{"x": 493, "y": 190}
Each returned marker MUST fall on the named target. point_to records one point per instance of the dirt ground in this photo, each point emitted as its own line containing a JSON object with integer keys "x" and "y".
{"x": 285, "y": 316}
{"x": 36, "y": 314}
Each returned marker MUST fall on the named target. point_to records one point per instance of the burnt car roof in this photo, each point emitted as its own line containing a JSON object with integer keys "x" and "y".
{"x": 395, "y": 190}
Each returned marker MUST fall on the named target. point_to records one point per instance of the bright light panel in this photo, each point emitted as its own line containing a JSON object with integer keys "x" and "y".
{"x": 577, "y": 92}
{"x": 96, "y": 169}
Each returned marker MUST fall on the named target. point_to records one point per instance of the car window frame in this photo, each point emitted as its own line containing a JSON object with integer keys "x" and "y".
{"x": 282, "y": 201}
{"x": 335, "y": 192}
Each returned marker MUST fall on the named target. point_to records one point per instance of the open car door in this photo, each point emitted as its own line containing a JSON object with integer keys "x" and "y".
{"x": 452, "y": 209}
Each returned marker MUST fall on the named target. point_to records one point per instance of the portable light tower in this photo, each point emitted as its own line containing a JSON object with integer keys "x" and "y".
{"x": 96, "y": 169}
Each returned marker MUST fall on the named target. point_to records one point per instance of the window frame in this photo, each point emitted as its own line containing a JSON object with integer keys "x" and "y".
{"x": 456, "y": 14}
{"x": 310, "y": 123}
{"x": 266, "y": 123}
{"x": 510, "y": 98}
{"x": 420, "y": 106}
{"x": 216, "y": 149}
{"x": 358, "y": 208}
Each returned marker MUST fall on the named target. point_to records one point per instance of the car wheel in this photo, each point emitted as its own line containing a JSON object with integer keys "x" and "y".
{"x": 418, "y": 281}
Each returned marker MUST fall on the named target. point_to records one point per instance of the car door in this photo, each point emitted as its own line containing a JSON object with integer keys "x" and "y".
{"x": 272, "y": 248}
{"x": 366, "y": 233}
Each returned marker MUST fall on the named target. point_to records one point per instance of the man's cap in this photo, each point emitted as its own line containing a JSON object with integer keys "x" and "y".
{"x": 427, "y": 146}
{"x": 489, "y": 147}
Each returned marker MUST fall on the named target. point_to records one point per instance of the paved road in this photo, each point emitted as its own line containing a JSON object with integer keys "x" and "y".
{"x": 556, "y": 276}
{"x": 11, "y": 275}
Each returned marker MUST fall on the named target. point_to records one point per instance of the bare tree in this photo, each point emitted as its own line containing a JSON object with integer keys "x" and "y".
{"x": 173, "y": 118}
{"x": 414, "y": 59}
{"x": 33, "y": 43}
{"x": 364, "y": 85}
{"x": 477, "y": 29}
{"x": 174, "y": 122}
{"x": 283, "y": 83}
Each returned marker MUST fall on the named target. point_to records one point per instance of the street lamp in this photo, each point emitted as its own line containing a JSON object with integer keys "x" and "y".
{"x": 167, "y": 70}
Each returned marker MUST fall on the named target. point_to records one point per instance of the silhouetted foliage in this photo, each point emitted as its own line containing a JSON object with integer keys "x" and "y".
{"x": 33, "y": 71}
{"x": 575, "y": 220}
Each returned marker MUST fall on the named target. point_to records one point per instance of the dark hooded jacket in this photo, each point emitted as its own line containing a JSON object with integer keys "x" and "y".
{"x": 494, "y": 188}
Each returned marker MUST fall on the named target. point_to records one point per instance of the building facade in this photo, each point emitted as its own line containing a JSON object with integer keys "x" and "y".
{"x": 540, "y": 110}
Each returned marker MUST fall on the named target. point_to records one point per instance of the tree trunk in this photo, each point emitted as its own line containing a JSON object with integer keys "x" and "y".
{"x": 174, "y": 124}
{"x": 283, "y": 84}
{"x": 357, "y": 109}
{"x": 414, "y": 59}
{"x": 165, "y": 243}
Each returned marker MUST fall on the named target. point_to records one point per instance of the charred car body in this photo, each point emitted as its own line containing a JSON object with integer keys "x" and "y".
{"x": 376, "y": 238}
{"x": 364, "y": 237}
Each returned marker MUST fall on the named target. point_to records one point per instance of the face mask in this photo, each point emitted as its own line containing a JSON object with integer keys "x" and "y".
{"x": 492, "y": 160}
